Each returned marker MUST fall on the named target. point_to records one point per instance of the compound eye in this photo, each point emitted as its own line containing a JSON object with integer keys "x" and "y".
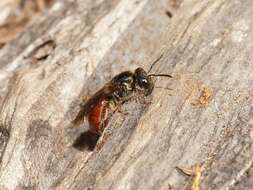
{"x": 143, "y": 83}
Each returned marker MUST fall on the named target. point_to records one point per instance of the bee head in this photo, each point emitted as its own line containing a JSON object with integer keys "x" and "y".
{"x": 139, "y": 81}
{"x": 143, "y": 82}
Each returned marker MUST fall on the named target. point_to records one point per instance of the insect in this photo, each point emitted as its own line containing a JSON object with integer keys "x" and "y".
{"x": 107, "y": 100}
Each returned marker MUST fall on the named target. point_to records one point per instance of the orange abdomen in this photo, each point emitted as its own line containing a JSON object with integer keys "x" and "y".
{"x": 97, "y": 117}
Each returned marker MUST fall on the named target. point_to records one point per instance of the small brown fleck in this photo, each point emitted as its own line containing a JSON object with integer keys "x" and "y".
{"x": 169, "y": 14}
{"x": 205, "y": 96}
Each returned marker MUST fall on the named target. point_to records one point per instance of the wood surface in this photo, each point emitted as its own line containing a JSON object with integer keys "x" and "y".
{"x": 203, "y": 116}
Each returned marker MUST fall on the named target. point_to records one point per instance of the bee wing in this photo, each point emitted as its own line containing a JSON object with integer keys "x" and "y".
{"x": 102, "y": 94}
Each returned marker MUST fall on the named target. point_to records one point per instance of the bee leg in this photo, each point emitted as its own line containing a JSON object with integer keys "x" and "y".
{"x": 120, "y": 110}
{"x": 105, "y": 135}
{"x": 103, "y": 139}
{"x": 147, "y": 101}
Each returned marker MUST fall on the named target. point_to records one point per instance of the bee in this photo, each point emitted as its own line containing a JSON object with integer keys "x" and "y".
{"x": 99, "y": 108}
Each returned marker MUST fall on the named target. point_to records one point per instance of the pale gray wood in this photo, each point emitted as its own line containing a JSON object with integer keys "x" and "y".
{"x": 206, "y": 46}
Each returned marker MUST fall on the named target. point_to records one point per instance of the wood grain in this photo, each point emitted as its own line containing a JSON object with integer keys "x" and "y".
{"x": 205, "y": 119}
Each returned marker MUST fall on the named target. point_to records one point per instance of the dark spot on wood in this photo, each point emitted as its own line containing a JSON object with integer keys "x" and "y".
{"x": 4, "y": 134}
{"x": 42, "y": 51}
{"x": 45, "y": 50}
{"x": 4, "y": 137}
{"x": 169, "y": 14}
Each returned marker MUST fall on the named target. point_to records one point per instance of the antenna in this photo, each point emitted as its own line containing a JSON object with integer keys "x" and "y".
{"x": 165, "y": 88}
{"x": 160, "y": 75}
{"x": 160, "y": 57}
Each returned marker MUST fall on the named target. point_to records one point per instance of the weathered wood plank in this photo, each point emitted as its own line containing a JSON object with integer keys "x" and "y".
{"x": 206, "y": 118}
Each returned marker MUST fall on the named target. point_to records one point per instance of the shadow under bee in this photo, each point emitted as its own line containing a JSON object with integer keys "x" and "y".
{"x": 86, "y": 140}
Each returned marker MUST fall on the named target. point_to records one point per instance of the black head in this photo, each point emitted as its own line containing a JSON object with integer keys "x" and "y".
{"x": 143, "y": 82}
{"x": 139, "y": 81}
